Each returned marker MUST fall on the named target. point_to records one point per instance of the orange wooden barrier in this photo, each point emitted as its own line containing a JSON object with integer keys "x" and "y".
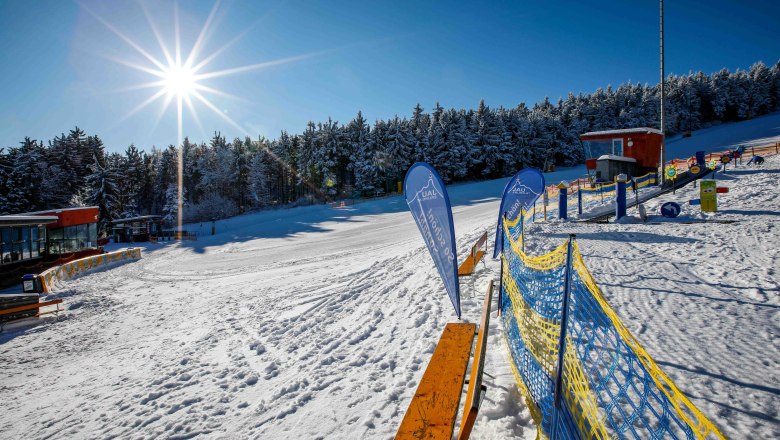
{"x": 476, "y": 390}
{"x": 476, "y": 254}
{"x": 33, "y": 306}
{"x": 432, "y": 412}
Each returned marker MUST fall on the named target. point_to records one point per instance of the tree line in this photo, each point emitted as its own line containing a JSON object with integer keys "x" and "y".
{"x": 329, "y": 160}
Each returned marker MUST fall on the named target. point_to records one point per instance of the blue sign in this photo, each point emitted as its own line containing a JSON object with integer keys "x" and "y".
{"x": 670, "y": 210}
{"x": 430, "y": 206}
{"x": 520, "y": 192}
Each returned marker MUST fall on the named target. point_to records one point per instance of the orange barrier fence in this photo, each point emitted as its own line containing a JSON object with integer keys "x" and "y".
{"x": 51, "y": 276}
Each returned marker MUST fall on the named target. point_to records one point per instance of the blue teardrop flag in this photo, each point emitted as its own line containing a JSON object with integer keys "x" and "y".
{"x": 520, "y": 192}
{"x": 430, "y": 206}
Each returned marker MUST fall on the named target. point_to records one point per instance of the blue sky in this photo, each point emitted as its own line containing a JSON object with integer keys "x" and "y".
{"x": 381, "y": 57}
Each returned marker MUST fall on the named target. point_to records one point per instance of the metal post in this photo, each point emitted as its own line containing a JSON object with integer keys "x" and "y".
{"x": 564, "y": 325}
{"x": 663, "y": 98}
{"x": 579, "y": 200}
{"x": 636, "y": 192}
{"x": 620, "y": 199}
{"x": 522, "y": 231}
{"x": 562, "y": 214}
{"x": 500, "y": 284}
{"x": 501, "y": 274}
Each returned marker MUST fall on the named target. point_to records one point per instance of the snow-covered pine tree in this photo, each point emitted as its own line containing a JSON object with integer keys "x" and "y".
{"x": 361, "y": 149}
{"x": 102, "y": 192}
{"x": 436, "y": 146}
{"x": 485, "y": 138}
{"x": 398, "y": 150}
{"x": 166, "y": 168}
{"x": 24, "y": 178}
{"x": 258, "y": 180}
{"x": 308, "y": 171}
{"x": 759, "y": 90}
{"x": 170, "y": 210}
{"x": 5, "y": 169}
{"x": 774, "y": 90}
{"x": 133, "y": 182}
{"x": 241, "y": 162}
{"x": 417, "y": 135}
{"x": 327, "y": 158}
{"x": 455, "y": 155}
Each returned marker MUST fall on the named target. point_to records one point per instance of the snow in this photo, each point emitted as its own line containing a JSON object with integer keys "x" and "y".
{"x": 616, "y": 157}
{"x": 622, "y": 131}
{"x": 318, "y": 322}
{"x": 764, "y": 130}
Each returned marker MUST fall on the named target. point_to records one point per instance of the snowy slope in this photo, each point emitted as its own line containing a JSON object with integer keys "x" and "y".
{"x": 701, "y": 297}
{"x": 764, "y": 130}
{"x": 318, "y": 322}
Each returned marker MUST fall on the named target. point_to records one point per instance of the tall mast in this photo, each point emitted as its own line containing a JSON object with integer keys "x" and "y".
{"x": 663, "y": 98}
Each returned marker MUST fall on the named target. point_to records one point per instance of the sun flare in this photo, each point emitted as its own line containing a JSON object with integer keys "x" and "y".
{"x": 180, "y": 81}
{"x": 180, "y": 78}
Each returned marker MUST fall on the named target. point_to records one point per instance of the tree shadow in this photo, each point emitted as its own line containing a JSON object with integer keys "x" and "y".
{"x": 747, "y": 172}
{"x": 755, "y": 414}
{"x": 693, "y": 294}
{"x": 700, "y": 370}
{"x": 644, "y": 237}
{"x": 746, "y": 212}
{"x": 289, "y": 222}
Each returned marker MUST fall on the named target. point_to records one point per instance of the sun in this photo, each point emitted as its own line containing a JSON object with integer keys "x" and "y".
{"x": 179, "y": 81}
{"x": 178, "y": 78}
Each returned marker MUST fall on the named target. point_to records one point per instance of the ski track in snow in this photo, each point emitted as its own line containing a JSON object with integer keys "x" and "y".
{"x": 325, "y": 334}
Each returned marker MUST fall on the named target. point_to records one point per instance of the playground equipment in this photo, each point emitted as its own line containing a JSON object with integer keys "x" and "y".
{"x": 708, "y": 195}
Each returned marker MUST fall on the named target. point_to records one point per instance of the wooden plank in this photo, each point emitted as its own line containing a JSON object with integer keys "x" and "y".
{"x": 482, "y": 242}
{"x": 474, "y": 393}
{"x": 432, "y": 412}
{"x": 467, "y": 267}
{"x": 30, "y": 306}
{"x": 475, "y": 256}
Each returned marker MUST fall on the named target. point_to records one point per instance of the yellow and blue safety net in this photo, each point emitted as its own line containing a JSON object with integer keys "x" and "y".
{"x": 611, "y": 387}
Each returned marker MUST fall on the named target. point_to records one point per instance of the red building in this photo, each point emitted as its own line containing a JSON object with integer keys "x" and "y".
{"x": 34, "y": 241}
{"x": 74, "y": 231}
{"x": 638, "y": 150}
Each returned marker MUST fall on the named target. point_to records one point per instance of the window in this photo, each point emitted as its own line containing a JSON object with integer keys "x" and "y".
{"x": 617, "y": 147}
{"x": 73, "y": 238}
{"x": 595, "y": 149}
{"x": 92, "y": 236}
{"x": 19, "y": 243}
{"x": 41, "y": 240}
{"x": 5, "y": 245}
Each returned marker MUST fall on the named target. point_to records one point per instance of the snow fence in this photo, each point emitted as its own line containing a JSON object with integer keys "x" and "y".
{"x": 68, "y": 270}
{"x": 608, "y": 386}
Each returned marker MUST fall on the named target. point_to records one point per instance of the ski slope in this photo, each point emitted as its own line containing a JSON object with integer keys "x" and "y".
{"x": 764, "y": 130}
{"x": 317, "y": 322}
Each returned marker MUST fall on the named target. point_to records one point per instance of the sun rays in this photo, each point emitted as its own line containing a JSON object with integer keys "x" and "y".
{"x": 180, "y": 79}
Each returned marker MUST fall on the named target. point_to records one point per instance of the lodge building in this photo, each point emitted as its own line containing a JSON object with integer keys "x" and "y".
{"x": 34, "y": 241}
